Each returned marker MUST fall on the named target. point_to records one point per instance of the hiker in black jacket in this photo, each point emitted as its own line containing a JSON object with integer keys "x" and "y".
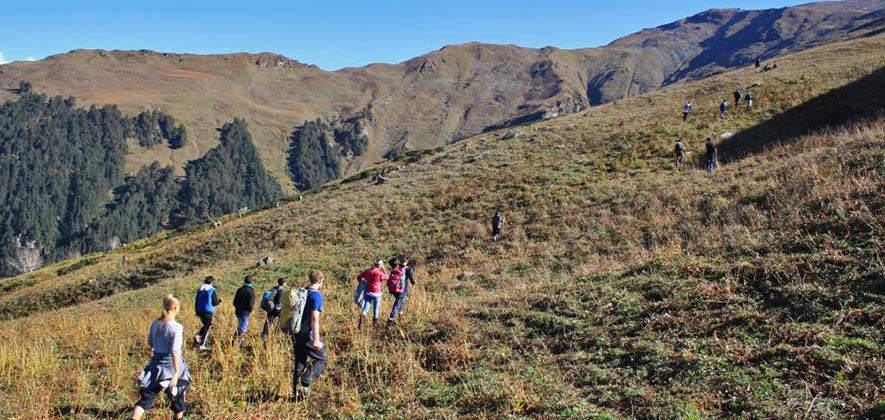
{"x": 244, "y": 301}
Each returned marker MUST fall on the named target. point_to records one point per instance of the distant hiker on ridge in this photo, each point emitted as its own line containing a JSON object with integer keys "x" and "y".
{"x": 372, "y": 298}
{"x": 686, "y": 109}
{"x": 300, "y": 316}
{"x": 207, "y": 300}
{"x": 737, "y": 97}
{"x": 167, "y": 372}
{"x": 497, "y": 222}
{"x": 723, "y": 109}
{"x": 271, "y": 303}
{"x": 679, "y": 151}
{"x": 244, "y": 302}
{"x": 758, "y": 63}
{"x": 712, "y": 154}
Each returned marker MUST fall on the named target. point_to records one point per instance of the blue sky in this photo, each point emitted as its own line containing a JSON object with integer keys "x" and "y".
{"x": 331, "y": 34}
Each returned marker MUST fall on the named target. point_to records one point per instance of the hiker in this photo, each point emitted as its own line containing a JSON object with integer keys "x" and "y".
{"x": 723, "y": 109}
{"x": 749, "y": 100}
{"x": 167, "y": 372}
{"x": 305, "y": 304}
{"x": 244, "y": 301}
{"x": 271, "y": 303}
{"x": 373, "y": 278}
{"x": 497, "y": 222}
{"x": 410, "y": 278}
{"x": 712, "y": 154}
{"x": 774, "y": 66}
{"x": 395, "y": 285}
{"x": 686, "y": 109}
{"x": 206, "y": 302}
{"x": 758, "y": 63}
{"x": 767, "y": 68}
{"x": 737, "y": 97}
{"x": 679, "y": 151}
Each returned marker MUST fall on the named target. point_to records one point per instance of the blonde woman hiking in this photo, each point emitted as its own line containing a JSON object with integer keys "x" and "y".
{"x": 167, "y": 372}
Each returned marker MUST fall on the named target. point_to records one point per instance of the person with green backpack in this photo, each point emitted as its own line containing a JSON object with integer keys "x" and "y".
{"x": 300, "y": 317}
{"x": 271, "y": 304}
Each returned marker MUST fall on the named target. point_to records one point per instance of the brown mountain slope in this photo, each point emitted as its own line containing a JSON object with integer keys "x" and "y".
{"x": 433, "y": 99}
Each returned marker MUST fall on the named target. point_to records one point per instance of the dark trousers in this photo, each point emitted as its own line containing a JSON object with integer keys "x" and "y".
{"x": 307, "y": 373}
{"x": 272, "y": 318}
{"x": 397, "y": 303}
{"x": 206, "y": 319}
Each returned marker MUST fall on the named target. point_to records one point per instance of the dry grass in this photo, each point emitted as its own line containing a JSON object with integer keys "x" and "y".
{"x": 621, "y": 289}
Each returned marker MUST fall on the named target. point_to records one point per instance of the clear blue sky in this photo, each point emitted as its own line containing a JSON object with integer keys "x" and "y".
{"x": 331, "y": 34}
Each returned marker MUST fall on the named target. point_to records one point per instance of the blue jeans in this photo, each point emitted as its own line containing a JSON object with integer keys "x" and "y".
{"x": 710, "y": 164}
{"x": 360, "y": 293}
{"x": 397, "y": 304}
{"x": 375, "y": 301}
{"x": 242, "y": 323}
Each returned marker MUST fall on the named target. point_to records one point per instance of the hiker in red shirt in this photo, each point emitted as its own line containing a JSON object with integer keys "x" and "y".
{"x": 373, "y": 277}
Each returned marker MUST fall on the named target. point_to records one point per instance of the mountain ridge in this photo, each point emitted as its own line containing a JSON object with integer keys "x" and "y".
{"x": 427, "y": 101}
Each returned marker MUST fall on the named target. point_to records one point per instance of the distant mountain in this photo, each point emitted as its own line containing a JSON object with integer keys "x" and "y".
{"x": 430, "y": 100}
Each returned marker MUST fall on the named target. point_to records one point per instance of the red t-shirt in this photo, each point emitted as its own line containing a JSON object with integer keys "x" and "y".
{"x": 373, "y": 278}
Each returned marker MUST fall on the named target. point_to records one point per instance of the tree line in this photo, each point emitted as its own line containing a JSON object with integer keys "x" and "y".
{"x": 65, "y": 192}
{"x": 318, "y": 149}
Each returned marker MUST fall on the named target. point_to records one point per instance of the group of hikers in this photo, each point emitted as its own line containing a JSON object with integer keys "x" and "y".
{"x": 711, "y": 158}
{"x": 724, "y": 106}
{"x": 295, "y": 312}
{"x": 768, "y": 67}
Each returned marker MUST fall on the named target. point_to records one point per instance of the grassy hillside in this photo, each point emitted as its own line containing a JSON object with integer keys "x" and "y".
{"x": 431, "y": 100}
{"x": 622, "y": 288}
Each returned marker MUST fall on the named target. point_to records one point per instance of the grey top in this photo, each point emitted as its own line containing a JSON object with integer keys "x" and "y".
{"x": 166, "y": 337}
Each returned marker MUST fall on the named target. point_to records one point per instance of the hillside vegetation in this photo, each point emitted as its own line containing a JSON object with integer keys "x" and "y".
{"x": 622, "y": 287}
{"x": 63, "y": 187}
{"x": 431, "y": 100}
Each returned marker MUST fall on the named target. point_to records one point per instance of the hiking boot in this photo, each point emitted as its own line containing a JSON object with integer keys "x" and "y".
{"x": 302, "y": 393}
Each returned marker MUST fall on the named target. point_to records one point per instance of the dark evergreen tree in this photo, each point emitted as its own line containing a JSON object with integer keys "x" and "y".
{"x": 228, "y": 177}
{"x": 312, "y": 159}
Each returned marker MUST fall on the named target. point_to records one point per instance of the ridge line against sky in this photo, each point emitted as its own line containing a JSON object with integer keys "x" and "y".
{"x": 345, "y": 34}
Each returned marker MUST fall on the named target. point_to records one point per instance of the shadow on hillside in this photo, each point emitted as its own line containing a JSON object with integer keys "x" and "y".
{"x": 857, "y": 101}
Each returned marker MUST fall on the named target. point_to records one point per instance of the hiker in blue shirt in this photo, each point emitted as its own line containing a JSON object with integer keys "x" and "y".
{"x": 686, "y": 109}
{"x": 723, "y": 109}
{"x": 306, "y": 343}
{"x": 207, "y": 300}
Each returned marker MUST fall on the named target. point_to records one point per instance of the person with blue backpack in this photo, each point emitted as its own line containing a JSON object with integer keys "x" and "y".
{"x": 271, "y": 303}
{"x": 206, "y": 302}
{"x": 723, "y": 109}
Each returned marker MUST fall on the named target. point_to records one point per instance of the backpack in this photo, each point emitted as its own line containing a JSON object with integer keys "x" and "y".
{"x": 297, "y": 301}
{"x": 678, "y": 147}
{"x": 267, "y": 300}
{"x": 395, "y": 280}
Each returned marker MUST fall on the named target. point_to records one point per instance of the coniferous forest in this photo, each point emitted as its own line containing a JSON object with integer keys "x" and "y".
{"x": 64, "y": 190}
